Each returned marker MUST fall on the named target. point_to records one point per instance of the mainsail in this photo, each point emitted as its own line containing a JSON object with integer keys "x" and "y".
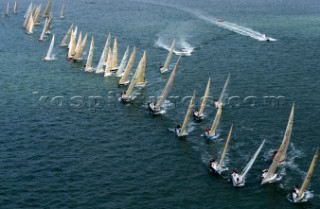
{"x": 7, "y": 9}
{"x": 26, "y": 15}
{"x": 124, "y": 78}
{"x": 168, "y": 86}
{"x": 224, "y": 151}
{"x": 62, "y": 11}
{"x": 141, "y": 76}
{"x": 107, "y": 71}
{"x": 205, "y": 98}
{"x": 49, "y": 53}
{"x": 104, "y": 56}
{"x": 250, "y": 163}
{"x": 224, "y": 90}
{"x": 166, "y": 64}
{"x": 216, "y": 120}
{"x": 281, "y": 153}
{"x": 72, "y": 45}
{"x": 15, "y": 6}
{"x": 134, "y": 79}
{"x": 47, "y": 9}
{"x": 309, "y": 175}
{"x": 44, "y": 30}
{"x": 123, "y": 63}
{"x": 78, "y": 55}
{"x": 65, "y": 38}
{"x": 115, "y": 55}
{"x": 89, "y": 67}
{"x": 186, "y": 118}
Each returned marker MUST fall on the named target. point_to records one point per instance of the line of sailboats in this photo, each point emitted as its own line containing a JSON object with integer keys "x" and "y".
{"x": 108, "y": 66}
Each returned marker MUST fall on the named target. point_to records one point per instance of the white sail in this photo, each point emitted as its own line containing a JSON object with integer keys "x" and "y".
{"x": 79, "y": 41}
{"x": 26, "y": 15}
{"x": 47, "y": 9}
{"x": 124, "y": 79}
{"x": 30, "y": 25}
{"x": 224, "y": 89}
{"x": 104, "y": 56}
{"x": 168, "y": 87}
{"x": 114, "y": 66}
{"x": 72, "y": 45}
{"x": 224, "y": 151}
{"x": 37, "y": 15}
{"x": 141, "y": 82}
{"x": 107, "y": 71}
{"x": 123, "y": 63}
{"x": 7, "y": 9}
{"x": 49, "y": 56}
{"x": 43, "y": 30}
{"x": 134, "y": 80}
{"x": 186, "y": 118}
{"x": 281, "y": 153}
{"x": 252, "y": 160}
{"x": 216, "y": 121}
{"x": 166, "y": 64}
{"x": 307, "y": 180}
{"x": 205, "y": 98}
{"x": 15, "y": 6}
{"x": 62, "y": 11}
{"x": 50, "y": 18}
{"x": 78, "y": 55}
{"x": 89, "y": 67}
{"x": 65, "y": 38}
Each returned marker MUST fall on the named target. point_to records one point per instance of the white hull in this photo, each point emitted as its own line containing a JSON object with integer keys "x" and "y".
{"x": 237, "y": 180}
{"x": 210, "y": 136}
{"x": 163, "y": 70}
{"x": 88, "y": 69}
{"x": 126, "y": 99}
{"x": 153, "y": 109}
{"x": 271, "y": 180}
{"x": 180, "y": 134}
{"x": 107, "y": 74}
{"x": 213, "y": 168}
{"x": 48, "y": 59}
{"x": 141, "y": 85}
{"x": 295, "y": 198}
{"x": 197, "y": 117}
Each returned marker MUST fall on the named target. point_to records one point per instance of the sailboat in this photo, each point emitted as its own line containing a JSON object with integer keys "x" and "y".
{"x": 42, "y": 36}
{"x": 126, "y": 95}
{"x": 211, "y": 133}
{"x": 15, "y": 6}
{"x": 155, "y": 107}
{"x": 164, "y": 68}
{"x": 104, "y": 56}
{"x": 65, "y": 38}
{"x": 7, "y": 9}
{"x": 114, "y": 66}
{"x": 198, "y": 115}
{"x": 37, "y": 15}
{"x": 123, "y": 63}
{"x": 216, "y": 166}
{"x": 299, "y": 195}
{"x": 88, "y": 67}
{"x": 30, "y": 25}
{"x": 49, "y": 56}
{"x": 62, "y": 12}
{"x": 50, "y": 18}
{"x": 78, "y": 56}
{"x": 125, "y": 77}
{"x": 238, "y": 180}
{"x": 269, "y": 175}
{"x": 72, "y": 46}
{"x": 47, "y": 9}
{"x": 181, "y": 130}
{"x": 141, "y": 81}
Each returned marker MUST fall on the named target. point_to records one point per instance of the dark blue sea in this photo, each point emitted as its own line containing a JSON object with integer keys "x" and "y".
{"x": 67, "y": 142}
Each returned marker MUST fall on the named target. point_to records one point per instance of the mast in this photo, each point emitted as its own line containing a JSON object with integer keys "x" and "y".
{"x": 225, "y": 148}
{"x": 205, "y": 98}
